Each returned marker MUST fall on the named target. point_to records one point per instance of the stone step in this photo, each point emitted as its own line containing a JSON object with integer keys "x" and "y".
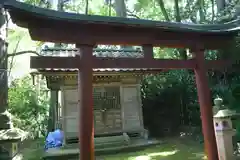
{"x": 72, "y": 152}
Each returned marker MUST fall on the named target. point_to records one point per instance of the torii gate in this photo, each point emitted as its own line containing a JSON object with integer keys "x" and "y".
{"x": 87, "y": 31}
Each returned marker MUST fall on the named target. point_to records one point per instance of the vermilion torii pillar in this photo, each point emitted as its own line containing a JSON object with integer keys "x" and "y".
{"x": 204, "y": 99}
{"x": 85, "y": 102}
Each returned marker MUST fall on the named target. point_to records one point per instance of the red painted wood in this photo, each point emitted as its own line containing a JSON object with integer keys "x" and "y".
{"x": 54, "y": 62}
{"x": 73, "y": 62}
{"x": 85, "y": 87}
{"x": 148, "y": 51}
{"x": 205, "y": 106}
{"x": 128, "y": 36}
{"x": 143, "y": 63}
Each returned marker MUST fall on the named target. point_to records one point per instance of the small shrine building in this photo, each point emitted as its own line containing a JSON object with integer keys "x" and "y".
{"x": 116, "y": 95}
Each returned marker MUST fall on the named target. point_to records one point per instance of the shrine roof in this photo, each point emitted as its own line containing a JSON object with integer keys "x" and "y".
{"x": 55, "y": 26}
{"x": 28, "y": 11}
{"x": 98, "y": 52}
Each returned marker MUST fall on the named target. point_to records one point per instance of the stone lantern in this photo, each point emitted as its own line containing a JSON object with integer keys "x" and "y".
{"x": 9, "y": 142}
{"x": 224, "y": 133}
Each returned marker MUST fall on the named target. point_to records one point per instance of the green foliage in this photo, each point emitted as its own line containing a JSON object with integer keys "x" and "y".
{"x": 234, "y": 104}
{"x": 28, "y": 107}
{"x": 169, "y": 101}
{"x": 33, "y": 149}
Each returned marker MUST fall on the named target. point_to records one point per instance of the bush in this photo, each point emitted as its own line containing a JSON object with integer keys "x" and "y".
{"x": 28, "y": 106}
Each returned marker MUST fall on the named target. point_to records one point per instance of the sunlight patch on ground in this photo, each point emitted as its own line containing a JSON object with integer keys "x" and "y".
{"x": 150, "y": 155}
{"x": 165, "y": 153}
{"x": 18, "y": 157}
{"x": 142, "y": 158}
{"x": 199, "y": 156}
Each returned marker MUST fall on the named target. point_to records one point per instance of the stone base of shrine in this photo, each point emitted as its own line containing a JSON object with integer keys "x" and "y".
{"x": 71, "y": 151}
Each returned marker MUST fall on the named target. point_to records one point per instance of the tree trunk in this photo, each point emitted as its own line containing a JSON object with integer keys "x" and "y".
{"x": 213, "y": 12}
{"x": 182, "y": 52}
{"x": 220, "y": 5}
{"x": 201, "y": 11}
{"x": 121, "y": 11}
{"x": 177, "y": 11}
{"x": 163, "y": 9}
{"x": 4, "y": 119}
{"x": 54, "y": 4}
{"x": 120, "y": 8}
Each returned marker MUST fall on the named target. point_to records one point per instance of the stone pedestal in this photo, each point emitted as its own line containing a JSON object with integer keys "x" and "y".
{"x": 224, "y": 133}
{"x": 9, "y": 142}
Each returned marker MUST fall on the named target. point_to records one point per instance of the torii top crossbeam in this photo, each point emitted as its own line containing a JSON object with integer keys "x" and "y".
{"x": 54, "y": 26}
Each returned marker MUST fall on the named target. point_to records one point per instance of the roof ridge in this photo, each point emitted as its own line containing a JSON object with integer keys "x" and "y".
{"x": 95, "y": 49}
{"x": 96, "y": 52}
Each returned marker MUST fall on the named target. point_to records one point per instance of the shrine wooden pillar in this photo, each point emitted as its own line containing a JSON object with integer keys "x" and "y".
{"x": 204, "y": 98}
{"x": 85, "y": 102}
{"x": 53, "y": 117}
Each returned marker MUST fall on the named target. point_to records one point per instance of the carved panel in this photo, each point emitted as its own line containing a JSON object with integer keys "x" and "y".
{"x": 107, "y": 110}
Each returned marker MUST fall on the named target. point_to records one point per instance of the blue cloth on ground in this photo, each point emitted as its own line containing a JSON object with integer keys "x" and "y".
{"x": 54, "y": 139}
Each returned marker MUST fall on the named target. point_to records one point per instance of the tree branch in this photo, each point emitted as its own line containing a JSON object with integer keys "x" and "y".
{"x": 131, "y": 14}
{"x": 213, "y": 12}
{"x": 23, "y": 52}
{"x": 6, "y": 58}
{"x": 86, "y": 7}
{"x": 177, "y": 11}
{"x": 201, "y": 10}
{"x": 191, "y": 9}
{"x": 163, "y": 9}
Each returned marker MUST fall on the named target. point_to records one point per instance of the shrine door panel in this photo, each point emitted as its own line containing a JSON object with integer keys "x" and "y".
{"x": 131, "y": 110}
{"x": 107, "y": 110}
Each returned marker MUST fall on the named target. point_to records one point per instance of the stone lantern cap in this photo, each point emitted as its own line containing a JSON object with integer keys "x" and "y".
{"x": 218, "y": 101}
{"x": 13, "y": 134}
{"x": 225, "y": 113}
